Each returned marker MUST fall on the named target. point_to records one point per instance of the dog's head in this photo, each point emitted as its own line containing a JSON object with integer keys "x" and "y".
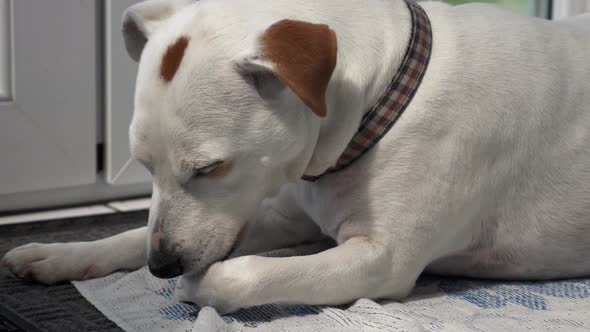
{"x": 227, "y": 110}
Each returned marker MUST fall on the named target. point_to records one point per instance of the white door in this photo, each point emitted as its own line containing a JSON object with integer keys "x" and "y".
{"x": 5, "y": 52}
{"x": 567, "y": 8}
{"x": 48, "y": 94}
{"x": 120, "y": 72}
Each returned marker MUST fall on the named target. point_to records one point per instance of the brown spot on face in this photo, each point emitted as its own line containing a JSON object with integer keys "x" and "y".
{"x": 221, "y": 171}
{"x": 172, "y": 58}
{"x": 304, "y": 56}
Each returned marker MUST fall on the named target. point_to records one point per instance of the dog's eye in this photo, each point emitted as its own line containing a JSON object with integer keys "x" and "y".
{"x": 207, "y": 169}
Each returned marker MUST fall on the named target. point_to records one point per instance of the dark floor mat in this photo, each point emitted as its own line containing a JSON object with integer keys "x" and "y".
{"x": 25, "y": 306}
{"x": 7, "y": 326}
{"x": 11, "y": 321}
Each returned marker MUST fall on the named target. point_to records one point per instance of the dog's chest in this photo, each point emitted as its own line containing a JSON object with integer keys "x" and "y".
{"x": 335, "y": 203}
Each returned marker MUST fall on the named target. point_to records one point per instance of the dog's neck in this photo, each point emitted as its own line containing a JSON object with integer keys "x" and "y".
{"x": 370, "y": 52}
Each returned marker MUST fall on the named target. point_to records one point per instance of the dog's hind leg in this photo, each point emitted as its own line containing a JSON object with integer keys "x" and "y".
{"x": 56, "y": 262}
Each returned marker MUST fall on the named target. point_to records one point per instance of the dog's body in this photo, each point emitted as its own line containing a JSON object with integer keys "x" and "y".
{"x": 486, "y": 174}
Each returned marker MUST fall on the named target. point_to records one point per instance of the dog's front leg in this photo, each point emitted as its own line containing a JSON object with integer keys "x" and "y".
{"x": 355, "y": 269}
{"x": 54, "y": 262}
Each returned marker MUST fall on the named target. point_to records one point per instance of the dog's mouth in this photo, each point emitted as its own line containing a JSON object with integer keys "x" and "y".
{"x": 228, "y": 254}
{"x": 205, "y": 267}
{"x": 238, "y": 239}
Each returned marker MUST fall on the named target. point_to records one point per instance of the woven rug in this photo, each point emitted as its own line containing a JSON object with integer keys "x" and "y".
{"x": 59, "y": 307}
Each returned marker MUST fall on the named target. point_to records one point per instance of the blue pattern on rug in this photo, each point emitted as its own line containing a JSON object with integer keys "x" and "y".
{"x": 531, "y": 295}
{"x": 484, "y": 294}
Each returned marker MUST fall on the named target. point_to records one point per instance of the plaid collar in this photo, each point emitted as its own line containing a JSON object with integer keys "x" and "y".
{"x": 382, "y": 116}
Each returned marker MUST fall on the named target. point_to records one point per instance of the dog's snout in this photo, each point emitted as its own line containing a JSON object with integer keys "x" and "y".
{"x": 163, "y": 262}
{"x": 164, "y": 265}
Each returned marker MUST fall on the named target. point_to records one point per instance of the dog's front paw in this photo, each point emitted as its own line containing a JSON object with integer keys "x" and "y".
{"x": 52, "y": 263}
{"x": 226, "y": 286}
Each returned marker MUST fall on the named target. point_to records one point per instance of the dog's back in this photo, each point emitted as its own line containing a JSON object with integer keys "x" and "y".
{"x": 518, "y": 92}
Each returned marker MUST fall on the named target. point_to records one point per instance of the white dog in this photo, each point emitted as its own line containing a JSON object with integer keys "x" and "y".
{"x": 484, "y": 171}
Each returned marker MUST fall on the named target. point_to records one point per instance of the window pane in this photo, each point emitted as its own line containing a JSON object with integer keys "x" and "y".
{"x": 531, "y": 7}
{"x": 518, "y": 5}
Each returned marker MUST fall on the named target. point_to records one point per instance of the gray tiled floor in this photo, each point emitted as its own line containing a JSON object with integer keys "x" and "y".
{"x": 60, "y": 307}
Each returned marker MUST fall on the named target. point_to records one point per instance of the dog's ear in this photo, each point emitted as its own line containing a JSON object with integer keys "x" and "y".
{"x": 142, "y": 19}
{"x": 297, "y": 54}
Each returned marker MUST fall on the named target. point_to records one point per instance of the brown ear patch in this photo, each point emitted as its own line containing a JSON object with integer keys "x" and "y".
{"x": 172, "y": 58}
{"x": 304, "y": 56}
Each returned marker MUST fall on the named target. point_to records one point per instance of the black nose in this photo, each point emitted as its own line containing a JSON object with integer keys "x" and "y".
{"x": 164, "y": 266}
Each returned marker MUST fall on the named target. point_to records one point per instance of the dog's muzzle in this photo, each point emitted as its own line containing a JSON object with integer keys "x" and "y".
{"x": 163, "y": 265}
